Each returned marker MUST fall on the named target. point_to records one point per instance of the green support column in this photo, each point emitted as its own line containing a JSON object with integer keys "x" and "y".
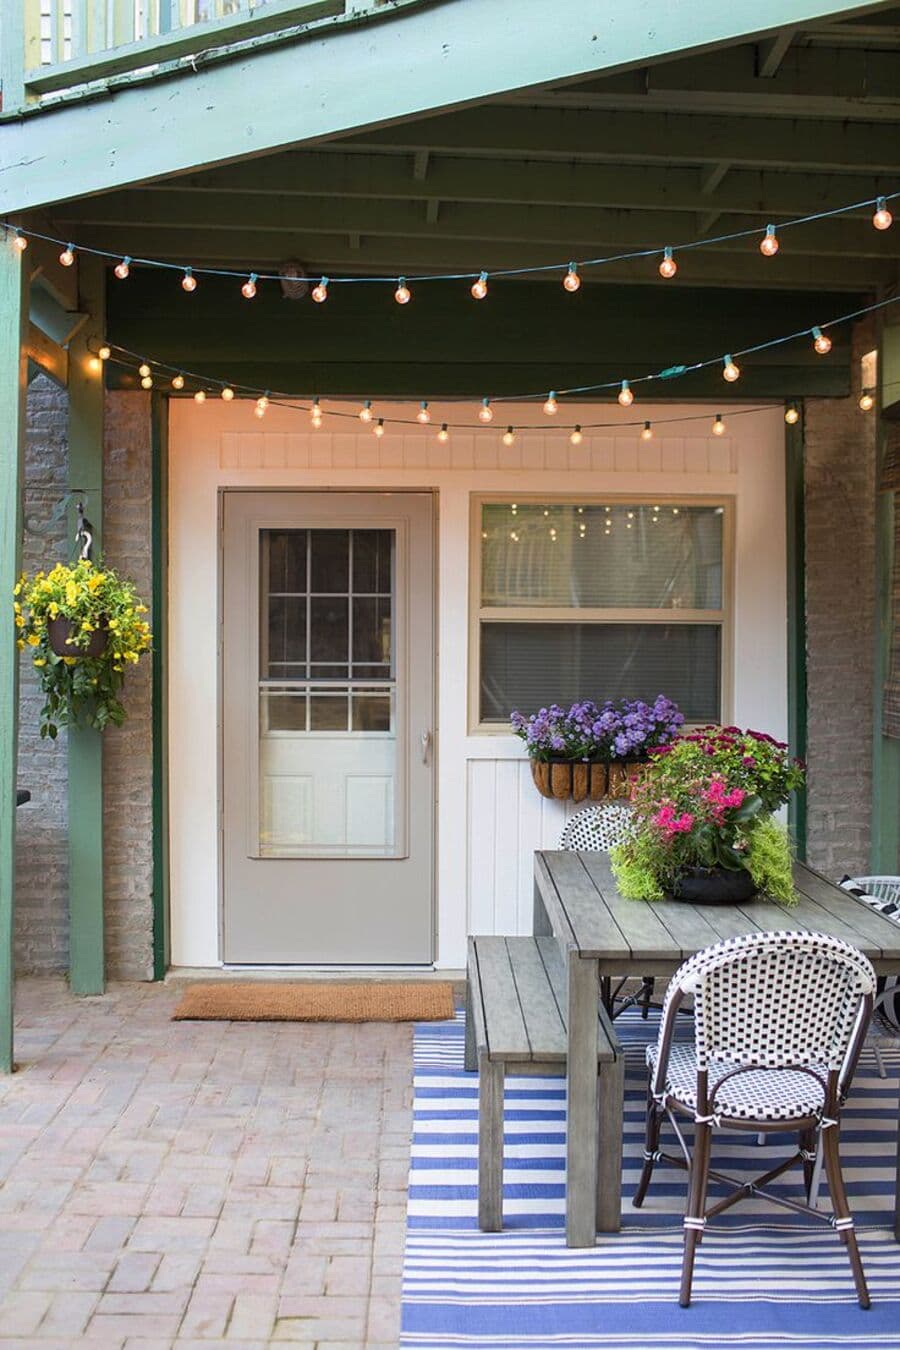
{"x": 13, "y": 383}
{"x": 796, "y": 611}
{"x": 885, "y": 847}
{"x": 86, "y": 951}
{"x": 160, "y": 426}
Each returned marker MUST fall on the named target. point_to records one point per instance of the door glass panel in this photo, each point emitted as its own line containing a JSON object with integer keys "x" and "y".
{"x": 328, "y": 765}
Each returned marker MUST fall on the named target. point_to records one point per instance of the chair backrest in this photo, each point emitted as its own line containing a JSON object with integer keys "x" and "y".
{"x": 777, "y": 1000}
{"x": 597, "y": 828}
{"x": 884, "y": 888}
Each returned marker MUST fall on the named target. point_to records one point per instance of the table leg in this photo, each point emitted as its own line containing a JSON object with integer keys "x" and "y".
{"x": 609, "y": 1145}
{"x": 581, "y": 1102}
{"x": 897, "y": 1186}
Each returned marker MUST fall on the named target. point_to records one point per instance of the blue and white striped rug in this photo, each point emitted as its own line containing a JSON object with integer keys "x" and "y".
{"x": 764, "y": 1277}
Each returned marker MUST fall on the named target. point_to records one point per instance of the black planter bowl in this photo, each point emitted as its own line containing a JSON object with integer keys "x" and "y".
{"x": 714, "y": 886}
{"x": 59, "y": 630}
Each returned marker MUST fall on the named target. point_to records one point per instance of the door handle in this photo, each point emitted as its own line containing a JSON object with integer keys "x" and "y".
{"x": 426, "y": 745}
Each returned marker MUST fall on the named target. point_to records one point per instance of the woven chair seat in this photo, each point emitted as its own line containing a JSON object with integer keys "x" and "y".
{"x": 755, "y": 1094}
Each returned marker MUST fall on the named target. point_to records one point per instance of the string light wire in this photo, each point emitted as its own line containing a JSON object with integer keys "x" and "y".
{"x": 878, "y": 201}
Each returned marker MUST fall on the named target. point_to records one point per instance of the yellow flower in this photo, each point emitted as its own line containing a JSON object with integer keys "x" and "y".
{"x": 96, "y": 580}
{"x": 87, "y": 626}
{"x": 71, "y": 592}
{"x": 70, "y": 660}
{"x": 33, "y": 640}
{"x": 53, "y": 609}
{"x": 141, "y": 609}
{"x": 20, "y": 622}
{"x": 39, "y": 661}
{"x": 17, "y": 589}
{"x": 20, "y": 643}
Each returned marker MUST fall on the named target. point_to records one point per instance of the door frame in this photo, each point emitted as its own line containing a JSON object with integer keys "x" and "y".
{"x": 305, "y": 489}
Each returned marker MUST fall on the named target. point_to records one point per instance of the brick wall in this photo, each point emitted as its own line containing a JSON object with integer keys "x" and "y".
{"x": 840, "y": 614}
{"x": 42, "y": 859}
{"x": 42, "y": 851}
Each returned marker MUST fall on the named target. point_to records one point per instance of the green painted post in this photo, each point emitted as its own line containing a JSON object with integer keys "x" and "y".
{"x": 885, "y": 845}
{"x": 86, "y": 950}
{"x": 796, "y": 617}
{"x": 12, "y": 53}
{"x": 159, "y": 544}
{"x": 13, "y": 383}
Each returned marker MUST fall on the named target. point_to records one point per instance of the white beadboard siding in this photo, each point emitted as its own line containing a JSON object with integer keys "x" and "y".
{"x": 489, "y": 816}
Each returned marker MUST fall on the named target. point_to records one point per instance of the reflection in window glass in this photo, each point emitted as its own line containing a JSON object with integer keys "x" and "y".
{"x": 601, "y": 556}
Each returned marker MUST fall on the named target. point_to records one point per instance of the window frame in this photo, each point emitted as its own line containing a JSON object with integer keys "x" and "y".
{"x": 478, "y": 614}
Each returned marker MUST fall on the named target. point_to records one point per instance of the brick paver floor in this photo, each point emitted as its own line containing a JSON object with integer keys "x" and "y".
{"x": 185, "y": 1184}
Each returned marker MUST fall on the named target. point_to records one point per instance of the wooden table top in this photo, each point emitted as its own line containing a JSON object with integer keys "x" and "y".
{"x": 650, "y": 937}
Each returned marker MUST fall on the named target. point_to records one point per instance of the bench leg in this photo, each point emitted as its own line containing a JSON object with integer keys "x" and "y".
{"x": 609, "y": 1148}
{"x": 470, "y": 1056}
{"x": 581, "y": 1103}
{"x": 540, "y": 923}
{"x": 490, "y": 1145}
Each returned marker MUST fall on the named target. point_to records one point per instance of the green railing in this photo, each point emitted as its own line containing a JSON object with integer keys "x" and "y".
{"x": 52, "y": 46}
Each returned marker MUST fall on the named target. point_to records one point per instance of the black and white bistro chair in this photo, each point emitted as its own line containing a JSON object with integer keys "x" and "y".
{"x": 596, "y": 829}
{"x": 779, "y": 1021}
{"x": 883, "y": 894}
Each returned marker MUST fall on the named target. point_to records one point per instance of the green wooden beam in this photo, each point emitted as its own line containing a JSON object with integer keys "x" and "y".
{"x": 385, "y": 176}
{"x": 233, "y": 224}
{"x": 529, "y": 335}
{"x": 12, "y": 53}
{"x": 796, "y": 619}
{"x": 86, "y": 953}
{"x": 46, "y": 355}
{"x": 417, "y": 62}
{"x": 159, "y": 544}
{"x": 13, "y": 383}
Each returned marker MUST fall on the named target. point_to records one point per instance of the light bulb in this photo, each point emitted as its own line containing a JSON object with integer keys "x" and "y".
{"x": 122, "y": 269}
{"x": 646, "y": 432}
{"x": 261, "y": 404}
{"x": 320, "y": 293}
{"x": 551, "y": 407}
{"x": 480, "y": 287}
{"x": 178, "y": 381}
{"x": 365, "y": 412}
{"x": 821, "y": 341}
{"x": 227, "y": 393}
{"x": 147, "y": 382}
{"x": 576, "y": 437}
{"x": 444, "y": 434}
{"x": 67, "y": 257}
{"x": 792, "y": 415}
{"x": 718, "y": 426}
{"x": 572, "y": 281}
{"x": 143, "y": 368}
{"x": 866, "y": 401}
{"x": 768, "y": 245}
{"x": 730, "y": 371}
{"x": 19, "y": 241}
{"x": 379, "y": 428}
{"x": 625, "y": 396}
{"x": 509, "y": 436}
{"x": 882, "y": 219}
{"x": 315, "y": 413}
{"x": 188, "y": 281}
{"x": 95, "y": 365}
{"x": 668, "y": 267}
{"x": 200, "y": 396}
{"x": 259, "y": 410}
{"x": 248, "y": 290}
{"x": 402, "y": 294}
{"x": 104, "y": 352}
{"x": 485, "y": 412}
{"x": 423, "y": 415}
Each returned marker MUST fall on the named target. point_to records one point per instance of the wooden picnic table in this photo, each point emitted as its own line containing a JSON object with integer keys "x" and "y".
{"x": 601, "y": 934}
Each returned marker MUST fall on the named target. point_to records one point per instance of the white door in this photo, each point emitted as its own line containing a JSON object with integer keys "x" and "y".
{"x": 328, "y": 697}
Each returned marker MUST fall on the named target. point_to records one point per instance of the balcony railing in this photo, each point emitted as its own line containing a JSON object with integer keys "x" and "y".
{"x": 65, "y": 44}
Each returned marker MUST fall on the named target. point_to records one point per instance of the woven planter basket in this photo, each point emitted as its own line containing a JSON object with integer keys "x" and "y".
{"x": 580, "y": 780}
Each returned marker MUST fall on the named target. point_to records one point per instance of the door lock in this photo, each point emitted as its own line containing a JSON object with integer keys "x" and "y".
{"x": 426, "y": 745}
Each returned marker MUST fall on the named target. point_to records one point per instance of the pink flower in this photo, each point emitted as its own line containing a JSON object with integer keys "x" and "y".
{"x": 684, "y": 824}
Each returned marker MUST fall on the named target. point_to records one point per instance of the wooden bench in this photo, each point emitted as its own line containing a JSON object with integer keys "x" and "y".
{"x": 516, "y": 1017}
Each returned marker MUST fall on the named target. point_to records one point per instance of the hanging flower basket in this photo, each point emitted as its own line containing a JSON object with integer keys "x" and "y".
{"x": 61, "y": 636}
{"x": 566, "y": 780}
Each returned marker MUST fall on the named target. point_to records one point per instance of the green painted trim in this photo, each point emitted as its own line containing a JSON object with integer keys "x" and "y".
{"x": 87, "y": 966}
{"x": 13, "y": 384}
{"x": 796, "y": 619}
{"x": 12, "y": 52}
{"x": 159, "y": 544}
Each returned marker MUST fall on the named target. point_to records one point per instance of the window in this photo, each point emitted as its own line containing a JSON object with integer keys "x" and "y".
{"x": 599, "y": 599}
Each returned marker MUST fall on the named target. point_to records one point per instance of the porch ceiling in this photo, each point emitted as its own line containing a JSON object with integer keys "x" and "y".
{"x": 699, "y": 145}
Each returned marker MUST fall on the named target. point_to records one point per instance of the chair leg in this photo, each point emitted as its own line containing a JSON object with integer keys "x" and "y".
{"x": 647, "y": 983}
{"x": 808, "y": 1142}
{"x": 695, "y": 1216}
{"x": 842, "y": 1217}
{"x": 490, "y": 1145}
{"x": 651, "y": 1144}
{"x": 879, "y": 1060}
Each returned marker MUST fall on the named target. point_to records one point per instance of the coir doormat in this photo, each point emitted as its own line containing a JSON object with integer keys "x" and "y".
{"x": 317, "y": 1001}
